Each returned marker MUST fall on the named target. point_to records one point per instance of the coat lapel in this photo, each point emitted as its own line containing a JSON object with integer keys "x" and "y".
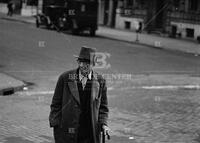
{"x": 73, "y": 86}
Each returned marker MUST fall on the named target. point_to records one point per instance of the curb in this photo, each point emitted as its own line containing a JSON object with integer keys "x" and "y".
{"x": 18, "y": 20}
{"x": 11, "y": 90}
{"x": 13, "y": 86}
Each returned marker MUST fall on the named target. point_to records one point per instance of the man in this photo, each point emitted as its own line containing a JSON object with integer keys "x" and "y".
{"x": 10, "y": 8}
{"x": 79, "y": 108}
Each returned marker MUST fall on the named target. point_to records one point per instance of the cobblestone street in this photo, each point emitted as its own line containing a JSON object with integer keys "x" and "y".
{"x": 156, "y": 115}
{"x": 159, "y": 116}
{"x": 24, "y": 119}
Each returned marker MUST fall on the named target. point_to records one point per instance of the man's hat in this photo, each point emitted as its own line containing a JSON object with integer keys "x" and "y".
{"x": 86, "y": 54}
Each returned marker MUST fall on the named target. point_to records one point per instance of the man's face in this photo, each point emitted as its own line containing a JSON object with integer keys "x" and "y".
{"x": 85, "y": 67}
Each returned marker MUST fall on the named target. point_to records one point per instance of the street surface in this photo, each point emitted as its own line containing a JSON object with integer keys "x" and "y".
{"x": 157, "y": 103}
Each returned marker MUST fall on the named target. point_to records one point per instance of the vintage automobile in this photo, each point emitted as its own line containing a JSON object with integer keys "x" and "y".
{"x": 74, "y": 15}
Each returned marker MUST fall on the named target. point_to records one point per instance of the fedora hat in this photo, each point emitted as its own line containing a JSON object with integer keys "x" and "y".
{"x": 86, "y": 54}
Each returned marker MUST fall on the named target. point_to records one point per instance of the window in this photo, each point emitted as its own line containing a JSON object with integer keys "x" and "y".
{"x": 127, "y": 24}
{"x": 176, "y": 4}
{"x": 189, "y": 32}
{"x": 128, "y": 3}
{"x": 32, "y": 2}
{"x": 193, "y": 5}
{"x": 141, "y": 3}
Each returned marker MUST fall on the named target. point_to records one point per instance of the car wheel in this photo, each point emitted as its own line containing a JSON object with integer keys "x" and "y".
{"x": 75, "y": 31}
{"x": 92, "y": 32}
{"x": 37, "y": 23}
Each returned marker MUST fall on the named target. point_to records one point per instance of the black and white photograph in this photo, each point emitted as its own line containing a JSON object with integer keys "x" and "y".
{"x": 99, "y": 71}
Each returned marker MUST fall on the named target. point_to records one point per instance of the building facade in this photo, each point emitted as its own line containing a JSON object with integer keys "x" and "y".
{"x": 107, "y": 12}
{"x": 29, "y": 7}
{"x": 178, "y": 18}
{"x": 17, "y": 5}
{"x": 23, "y": 7}
{"x": 184, "y": 17}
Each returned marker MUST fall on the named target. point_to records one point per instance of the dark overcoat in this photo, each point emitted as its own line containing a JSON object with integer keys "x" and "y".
{"x": 66, "y": 109}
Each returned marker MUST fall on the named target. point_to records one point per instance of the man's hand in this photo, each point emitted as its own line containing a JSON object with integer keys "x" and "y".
{"x": 106, "y": 131}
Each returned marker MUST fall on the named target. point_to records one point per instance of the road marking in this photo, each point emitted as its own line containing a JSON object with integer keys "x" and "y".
{"x": 30, "y": 93}
{"x": 110, "y": 88}
{"x": 170, "y": 87}
{"x": 192, "y": 87}
{"x": 131, "y": 138}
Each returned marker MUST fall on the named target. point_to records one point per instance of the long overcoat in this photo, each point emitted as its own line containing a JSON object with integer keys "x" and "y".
{"x": 66, "y": 109}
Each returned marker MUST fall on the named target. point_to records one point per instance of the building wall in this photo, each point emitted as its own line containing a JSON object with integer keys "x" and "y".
{"x": 16, "y": 5}
{"x": 188, "y": 21}
{"x": 134, "y": 12}
{"x": 101, "y": 12}
{"x": 25, "y": 10}
{"x": 29, "y": 10}
{"x": 120, "y": 21}
{"x": 3, "y": 8}
{"x": 107, "y": 10}
{"x": 183, "y": 24}
{"x": 181, "y": 28}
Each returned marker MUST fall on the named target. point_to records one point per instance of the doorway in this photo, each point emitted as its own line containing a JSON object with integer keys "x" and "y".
{"x": 106, "y": 12}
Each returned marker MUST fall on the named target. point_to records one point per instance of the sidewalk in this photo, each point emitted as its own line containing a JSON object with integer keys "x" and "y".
{"x": 24, "y": 19}
{"x": 192, "y": 47}
{"x": 167, "y": 43}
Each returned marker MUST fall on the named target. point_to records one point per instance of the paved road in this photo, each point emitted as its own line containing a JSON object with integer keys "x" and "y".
{"x": 158, "y": 103}
{"x": 31, "y": 54}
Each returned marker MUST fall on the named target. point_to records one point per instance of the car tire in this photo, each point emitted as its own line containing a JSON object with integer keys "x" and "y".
{"x": 92, "y": 32}
{"x": 75, "y": 31}
{"x": 37, "y": 23}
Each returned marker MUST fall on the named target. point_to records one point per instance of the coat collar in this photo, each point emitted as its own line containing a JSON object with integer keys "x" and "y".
{"x": 72, "y": 83}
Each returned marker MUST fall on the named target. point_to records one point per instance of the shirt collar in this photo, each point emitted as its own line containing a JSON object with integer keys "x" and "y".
{"x": 88, "y": 77}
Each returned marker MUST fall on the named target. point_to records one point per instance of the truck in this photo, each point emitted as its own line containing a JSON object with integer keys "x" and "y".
{"x": 74, "y": 15}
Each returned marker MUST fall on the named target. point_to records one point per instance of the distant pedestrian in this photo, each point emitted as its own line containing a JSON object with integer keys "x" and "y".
{"x": 139, "y": 30}
{"x": 10, "y": 8}
{"x": 79, "y": 108}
